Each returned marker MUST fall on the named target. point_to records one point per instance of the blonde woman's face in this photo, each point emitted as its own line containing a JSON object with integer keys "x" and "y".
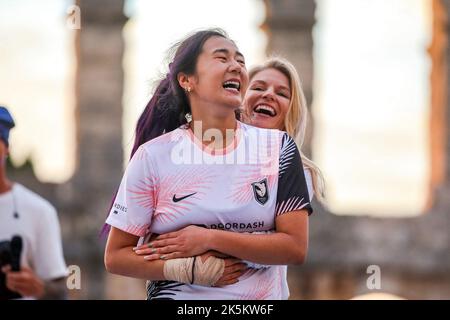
{"x": 267, "y": 99}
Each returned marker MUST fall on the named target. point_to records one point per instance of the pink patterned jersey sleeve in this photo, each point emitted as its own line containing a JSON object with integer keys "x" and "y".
{"x": 134, "y": 204}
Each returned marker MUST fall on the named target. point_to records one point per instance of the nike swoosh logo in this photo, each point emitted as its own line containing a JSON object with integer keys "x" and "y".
{"x": 175, "y": 199}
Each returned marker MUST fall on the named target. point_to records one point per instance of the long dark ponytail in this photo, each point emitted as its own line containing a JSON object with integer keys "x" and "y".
{"x": 169, "y": 104}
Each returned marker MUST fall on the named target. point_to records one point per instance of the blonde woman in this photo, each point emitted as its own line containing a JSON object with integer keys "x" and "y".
{"x": 275, "y": 100}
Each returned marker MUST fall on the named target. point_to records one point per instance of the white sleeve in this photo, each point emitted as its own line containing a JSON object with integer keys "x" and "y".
{"x": 133, "y": 206}
{"x": 49, "y": 261}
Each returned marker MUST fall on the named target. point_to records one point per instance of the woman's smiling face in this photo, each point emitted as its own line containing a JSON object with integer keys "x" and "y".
{"x": 267, "y": 99}
{"x": 221, "y": 76}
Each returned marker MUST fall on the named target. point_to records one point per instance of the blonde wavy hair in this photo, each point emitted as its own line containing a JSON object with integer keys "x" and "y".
{"x": 296, "y": 117}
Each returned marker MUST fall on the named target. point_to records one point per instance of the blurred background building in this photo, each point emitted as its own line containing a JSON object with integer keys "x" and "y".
{"x": 77, "y": 74}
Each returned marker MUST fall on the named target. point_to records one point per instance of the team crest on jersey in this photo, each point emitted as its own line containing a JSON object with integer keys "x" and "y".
{"x": 261, "y": 191}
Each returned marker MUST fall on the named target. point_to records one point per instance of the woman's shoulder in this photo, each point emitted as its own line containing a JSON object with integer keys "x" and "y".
{"x": 163, "y": 142}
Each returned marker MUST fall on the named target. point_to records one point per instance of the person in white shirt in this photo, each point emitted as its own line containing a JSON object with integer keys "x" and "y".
{"x": 34, "y": 219}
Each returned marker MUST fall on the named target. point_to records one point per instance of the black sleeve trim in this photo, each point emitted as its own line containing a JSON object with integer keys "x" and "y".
{"x": 292, "y": 192}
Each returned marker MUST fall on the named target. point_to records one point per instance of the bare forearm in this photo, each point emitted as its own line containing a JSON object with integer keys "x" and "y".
{"x": 276, "y": 248}
{"x": 126, "y": 263}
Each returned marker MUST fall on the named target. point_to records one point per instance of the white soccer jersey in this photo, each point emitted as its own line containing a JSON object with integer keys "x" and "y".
{"x": 174, "y": 181}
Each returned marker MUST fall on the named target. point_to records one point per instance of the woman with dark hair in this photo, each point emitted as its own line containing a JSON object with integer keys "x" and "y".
{"x": 179, "y": 179}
